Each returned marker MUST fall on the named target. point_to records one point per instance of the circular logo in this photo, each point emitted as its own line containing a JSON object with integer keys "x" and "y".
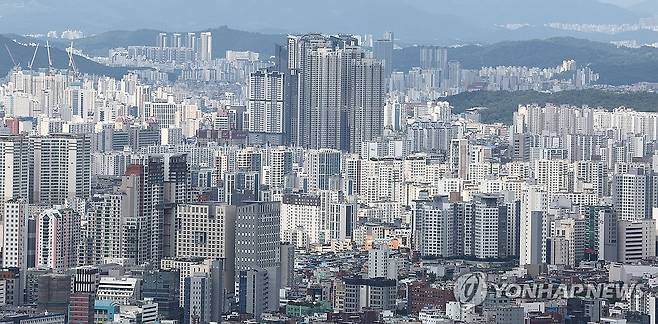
{"x": 471, "y": 288}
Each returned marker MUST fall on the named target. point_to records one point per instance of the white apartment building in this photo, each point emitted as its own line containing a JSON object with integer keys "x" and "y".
{"x": 62, "y": 168}
{"x": 301, "y": 216}
{"x": 15, "y": 224}
{"x": 14, "y": 167}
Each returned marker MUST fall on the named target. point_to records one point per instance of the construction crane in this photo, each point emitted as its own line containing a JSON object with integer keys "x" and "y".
{"x": 17, "y": 66}
{"x": 50, "y": 61}
{"x": 71, "y": 61}
{"x": 29, "y": 66}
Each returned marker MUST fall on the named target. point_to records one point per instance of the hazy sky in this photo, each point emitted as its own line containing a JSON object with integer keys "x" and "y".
{"x": 623, "y": 3}
{"x": 414, "y": 20}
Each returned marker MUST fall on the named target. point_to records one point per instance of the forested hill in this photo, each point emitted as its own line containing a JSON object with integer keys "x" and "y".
{"x": 503, "y": 104}
{"x": 616, "y": 65}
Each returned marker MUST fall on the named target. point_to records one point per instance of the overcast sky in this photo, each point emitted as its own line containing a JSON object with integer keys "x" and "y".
{"x": 413, "y": 20}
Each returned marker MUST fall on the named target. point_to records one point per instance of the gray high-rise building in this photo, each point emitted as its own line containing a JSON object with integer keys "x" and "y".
{"x": 164, "y": 287}
{"x": 54, "y": 292}
{"x": 203, "y": 296}
{"x": 366, "y": 115}
{"x": 162, "y": 40}
{"x": 176, "y": 40}
{"x": 205, "y": 50}
{"x": 454, "y": 74}
{"x": 253, "y": 297}
{"x": 265, "y": 107}
{"x": 434, "y": 58}
{"x": 287, "y": 256}
{"x": 151, "y": 189}
{"x": 207, "y": 230}
{"x": 257, "y": 244}
{"x": 340, "y": 92}
{"x": 191, "y": 41}
{"x": 383, "y": 50}
{"x": 323, "y": 168}
{"x": 197, "y": 303}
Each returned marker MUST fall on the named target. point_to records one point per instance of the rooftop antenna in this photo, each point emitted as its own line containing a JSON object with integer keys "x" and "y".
{"x": 29, "y": 66}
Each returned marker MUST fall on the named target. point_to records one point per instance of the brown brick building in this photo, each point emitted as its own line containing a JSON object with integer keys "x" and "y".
{"x": 421, "y": 295}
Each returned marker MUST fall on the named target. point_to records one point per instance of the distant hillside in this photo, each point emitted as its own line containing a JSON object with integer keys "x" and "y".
{"x": 224, "y": 39}
{"x": 615, "y": 65}
{"x": 98, "y": 45}
{"x": 411, "y": 20}
{"x": 23, "y": 55}
{"x": 646, "y": 7}
{"x": 503, "y": 104}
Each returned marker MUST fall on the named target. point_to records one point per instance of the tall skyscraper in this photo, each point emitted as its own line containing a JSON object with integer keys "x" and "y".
{"x": 383, "y": 50}
{"x": 434, "y": 58}
{"x": 324, "y": 101}
{"x": 142, "y": 187}
{"x": 340, "y": 93}
{"x": 176, "y": 40}
{"x": 162, "y": 40}
{"x": 266, "y": 102}
{"x": 191, "y": 41}
{"x": 533, "y": 226}
{"x": 205, "y": 50}
{"x": 366, "y": 116}
{"x": 61, "y": 168}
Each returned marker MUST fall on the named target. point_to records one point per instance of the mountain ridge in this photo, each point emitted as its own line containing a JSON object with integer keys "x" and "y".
{"x": 412, "y": 20}
{"x": 224, "y": 38}
{"x": 22, "y": 54}
{"x": 615, "y": 65}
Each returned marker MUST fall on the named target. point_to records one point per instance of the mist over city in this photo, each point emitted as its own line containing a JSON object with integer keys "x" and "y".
{"x": 362, "y": 161}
